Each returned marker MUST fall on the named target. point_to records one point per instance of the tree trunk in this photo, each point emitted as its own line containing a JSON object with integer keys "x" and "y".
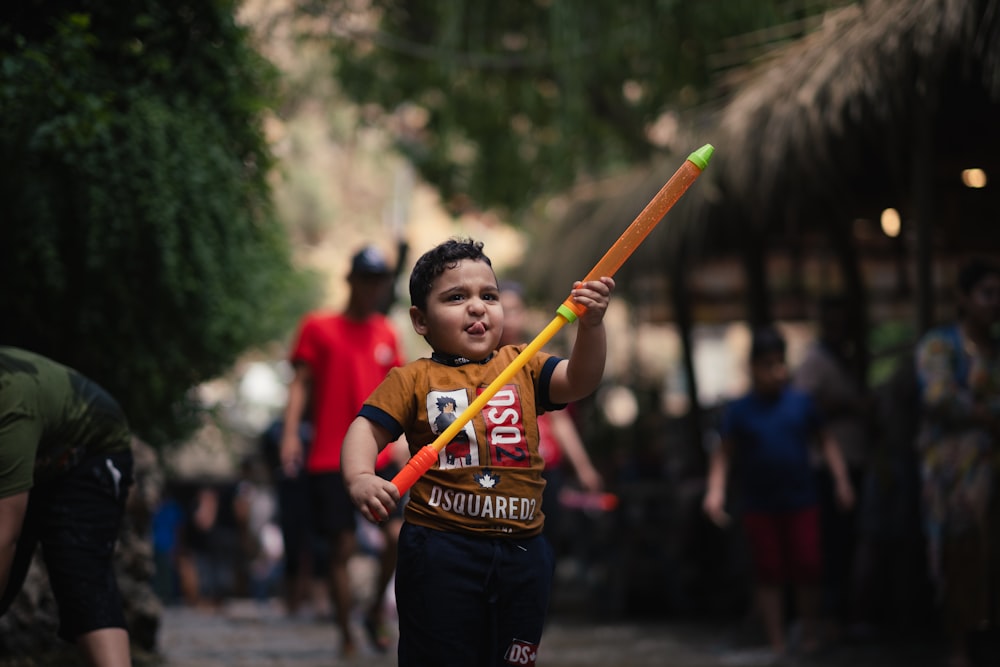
{"x": 685, "y": 323}
{"x": 846, "y": 251}
{"x": 759, "y": 310}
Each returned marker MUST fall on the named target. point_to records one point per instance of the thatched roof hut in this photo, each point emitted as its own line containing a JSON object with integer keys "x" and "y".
{"x": 882, "y": 105}
{"x": 836, "y": 122}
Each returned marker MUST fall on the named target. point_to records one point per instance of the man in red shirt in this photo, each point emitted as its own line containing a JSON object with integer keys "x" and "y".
{"x": 339, "y": 358}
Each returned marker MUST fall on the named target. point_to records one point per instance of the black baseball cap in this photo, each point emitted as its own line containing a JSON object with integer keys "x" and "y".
{"x": 369, "y": 261}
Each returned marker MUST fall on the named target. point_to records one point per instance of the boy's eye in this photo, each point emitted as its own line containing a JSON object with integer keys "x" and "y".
{"x": 491, "y": 297}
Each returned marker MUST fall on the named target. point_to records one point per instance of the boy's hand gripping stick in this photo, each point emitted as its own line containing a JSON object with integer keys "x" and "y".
{"x": 569, "y": 311}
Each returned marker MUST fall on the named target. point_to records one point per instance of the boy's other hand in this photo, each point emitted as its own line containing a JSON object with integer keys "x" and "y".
{"x": 375, "y": 498}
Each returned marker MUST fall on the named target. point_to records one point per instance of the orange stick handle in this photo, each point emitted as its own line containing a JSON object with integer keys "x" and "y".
{"x": 644, "y": 223}
{"x": 626, "y": 244}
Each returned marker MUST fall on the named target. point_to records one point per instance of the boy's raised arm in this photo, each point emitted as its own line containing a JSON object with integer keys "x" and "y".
{"x": 581, "y": 374}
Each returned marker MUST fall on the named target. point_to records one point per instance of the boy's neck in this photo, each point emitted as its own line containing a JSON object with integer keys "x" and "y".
{"x": 456, "y": 360}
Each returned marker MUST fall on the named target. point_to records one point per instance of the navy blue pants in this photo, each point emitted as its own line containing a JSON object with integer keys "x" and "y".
{"x": 470, "y": 602}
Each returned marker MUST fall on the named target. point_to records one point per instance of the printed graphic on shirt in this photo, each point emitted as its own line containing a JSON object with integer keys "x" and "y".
{"x": 505, "y": 436}
{"x": 521, "y": 653}
{"x": 484, "y": 505}
{"x": 443, "y": 408}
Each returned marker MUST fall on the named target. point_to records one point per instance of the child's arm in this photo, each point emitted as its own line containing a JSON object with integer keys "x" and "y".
{"x": 375, "y": 497}
{"x": 714, "y": 504}
{"x": 838, "y": 468}
{"x": 580, "y": 375}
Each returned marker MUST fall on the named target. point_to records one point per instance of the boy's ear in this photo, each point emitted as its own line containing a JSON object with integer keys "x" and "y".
{"x": 418, "y": 320}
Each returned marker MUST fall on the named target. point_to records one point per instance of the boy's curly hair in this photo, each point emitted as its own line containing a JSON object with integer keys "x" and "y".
{"x": 435, "y": 261}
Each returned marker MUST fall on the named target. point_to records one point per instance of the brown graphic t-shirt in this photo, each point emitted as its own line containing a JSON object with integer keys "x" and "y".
{"x": 488, "y": 478}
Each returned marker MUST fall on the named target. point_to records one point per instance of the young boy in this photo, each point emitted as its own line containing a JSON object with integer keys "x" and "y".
{"x": 769, "y": 432}
{"x": 474, "y": 571}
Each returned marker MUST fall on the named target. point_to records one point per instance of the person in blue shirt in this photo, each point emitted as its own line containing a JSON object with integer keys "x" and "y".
{"x": 766, "y": 437}
{"x": 167, "y": 526}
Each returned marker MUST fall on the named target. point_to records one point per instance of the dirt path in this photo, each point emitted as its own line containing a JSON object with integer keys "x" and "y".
{"x": 246, "y": 635}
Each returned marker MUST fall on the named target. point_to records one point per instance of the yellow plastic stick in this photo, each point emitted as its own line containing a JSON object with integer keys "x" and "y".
{"x": 569, "y": 311}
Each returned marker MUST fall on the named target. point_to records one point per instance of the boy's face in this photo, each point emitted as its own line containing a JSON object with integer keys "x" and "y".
{"x": 463, "y": 316}
{"x": 769, "y": 373}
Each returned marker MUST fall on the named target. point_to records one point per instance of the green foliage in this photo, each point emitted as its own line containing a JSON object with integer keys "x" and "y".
{"x": 891, "y": 343}
{"x": 139, "y": 244}
{"x": 526, "y": 98}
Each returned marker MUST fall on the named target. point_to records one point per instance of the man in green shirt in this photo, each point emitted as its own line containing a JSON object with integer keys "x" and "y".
{"x": 65, "y": 472}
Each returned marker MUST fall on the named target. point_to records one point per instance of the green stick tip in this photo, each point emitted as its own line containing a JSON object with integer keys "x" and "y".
{"x": 701, "y": 156}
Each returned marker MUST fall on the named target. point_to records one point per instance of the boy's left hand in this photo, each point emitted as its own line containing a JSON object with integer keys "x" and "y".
{"x": 594, "y": 295}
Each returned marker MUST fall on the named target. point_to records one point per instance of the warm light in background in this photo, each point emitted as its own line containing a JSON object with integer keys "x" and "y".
{"x": 891, "y": 222}
{"x": 621, "y": 408}
{"x": 974, "y": 178}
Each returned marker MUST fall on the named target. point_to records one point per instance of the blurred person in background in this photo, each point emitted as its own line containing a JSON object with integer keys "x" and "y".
{"x": 212, "y": 565}
{"x": 256, "y": 507}
{"x": 65, "y": 473}
{"x": 826, "y": 373}
{"x": 559, "y": 440}
{"x": 766, "y": 436}
{"x": 339, "y": 358}
{"x": 166, "y": 534}
{"x": 958, "y": 366}
{"x": 304, "y": 554}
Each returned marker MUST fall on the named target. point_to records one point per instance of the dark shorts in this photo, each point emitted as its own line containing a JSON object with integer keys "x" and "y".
{"x": 76, "y": 519}
{"x": 330, "y": 505}
{"x": 304, "y": 550}
{"x": 785, "y": 546}
{"x": 466, "y": 600}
